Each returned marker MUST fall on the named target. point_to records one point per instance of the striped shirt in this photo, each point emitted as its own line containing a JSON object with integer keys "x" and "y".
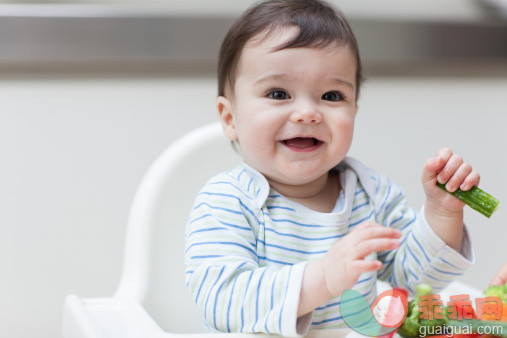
{"x": 246, "y": 247}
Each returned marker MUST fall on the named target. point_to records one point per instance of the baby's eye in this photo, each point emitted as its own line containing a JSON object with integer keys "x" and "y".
{"x": 332, "y": 96}
{"x": 278, "y": 95}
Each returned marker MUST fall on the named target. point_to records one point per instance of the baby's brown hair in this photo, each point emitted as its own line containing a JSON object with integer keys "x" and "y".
{"x": 319, "y": 25}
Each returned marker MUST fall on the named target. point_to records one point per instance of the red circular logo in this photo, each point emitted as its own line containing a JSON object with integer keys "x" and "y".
{"x": 390, "y": 308}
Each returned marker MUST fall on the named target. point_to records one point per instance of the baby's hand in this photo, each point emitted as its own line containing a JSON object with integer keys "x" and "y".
{"x": 344, "y": 262}
{"x": 448, "y": 169}
{"x": 501, "y": 277}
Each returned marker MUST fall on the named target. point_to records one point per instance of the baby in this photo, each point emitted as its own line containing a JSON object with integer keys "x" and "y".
{"x": 272, "y": 244}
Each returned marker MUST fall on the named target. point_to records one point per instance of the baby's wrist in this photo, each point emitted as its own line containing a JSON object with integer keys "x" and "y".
{"x": 437, "y": 210}
{"x": 446, "y": 224}
{"x": 314, "y": 289}
{"x": 321, "y": 281}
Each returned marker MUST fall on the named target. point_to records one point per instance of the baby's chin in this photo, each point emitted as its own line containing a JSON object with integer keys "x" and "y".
{"x": 292, "y": 173}
{"x": 301, "y": 176}
{"x": 296, "y": 177}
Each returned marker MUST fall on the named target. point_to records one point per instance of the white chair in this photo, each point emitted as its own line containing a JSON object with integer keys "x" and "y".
{"x": 152, "y": 300}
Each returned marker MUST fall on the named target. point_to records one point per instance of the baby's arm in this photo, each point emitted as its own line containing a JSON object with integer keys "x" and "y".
{"x": 443, "y": 211}
{"x": 223, "y": 272}
{"x": 423, "y": 257}
{"x": 344, "y": 262}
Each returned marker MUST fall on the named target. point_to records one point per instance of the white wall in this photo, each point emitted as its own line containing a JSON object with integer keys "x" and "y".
{"x": 74, "y": 150}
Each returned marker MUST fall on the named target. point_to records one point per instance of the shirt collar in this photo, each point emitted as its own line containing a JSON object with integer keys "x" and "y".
{"x": 258, "y": 187}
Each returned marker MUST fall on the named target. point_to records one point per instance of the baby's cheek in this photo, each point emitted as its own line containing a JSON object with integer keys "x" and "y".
{"x": 346, "y": 127}
{"x": 257, "y": 153}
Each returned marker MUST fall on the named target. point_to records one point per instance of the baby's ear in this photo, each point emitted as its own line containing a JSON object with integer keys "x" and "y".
{"x": 224, "y": 107}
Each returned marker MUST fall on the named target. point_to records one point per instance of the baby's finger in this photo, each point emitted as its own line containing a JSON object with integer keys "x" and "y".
{"x": 366, "y": 225}
{"x": 365, "y": 248}
{"x": 434, "y": 165}
{"x": 459, "y": 176}
{"x": 501, "y": 277}
{"x": 445, "y": 154}
{"x": 472, "y": 179}
{"x": 377, "y": 232}
{"x": 450, "y": 168}
{"x": 431, "y": 169}
{"x": 358, "y": 233}
{"x": 362, "y": 266}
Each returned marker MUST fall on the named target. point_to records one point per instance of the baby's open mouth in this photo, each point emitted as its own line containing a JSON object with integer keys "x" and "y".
{"x": 302, "y": 143}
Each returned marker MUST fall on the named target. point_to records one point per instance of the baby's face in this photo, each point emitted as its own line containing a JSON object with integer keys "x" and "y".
{"x": 293, "y": 110}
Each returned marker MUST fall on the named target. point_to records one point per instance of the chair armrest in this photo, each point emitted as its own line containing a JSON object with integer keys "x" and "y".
{"x": 122, "y": 318}
{"x": 107, "y": 317}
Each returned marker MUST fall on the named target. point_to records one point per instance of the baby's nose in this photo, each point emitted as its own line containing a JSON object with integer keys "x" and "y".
{"x": 306, "y": 116}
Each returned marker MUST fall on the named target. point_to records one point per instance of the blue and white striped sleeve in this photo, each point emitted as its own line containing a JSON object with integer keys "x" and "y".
{"x": 235, "y": 293}
{"x": 422, "y": 256}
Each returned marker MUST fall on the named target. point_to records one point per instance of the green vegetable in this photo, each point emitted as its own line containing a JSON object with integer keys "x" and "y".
{"x": 476, "y": 199}
{"x": 411, "y": 326}
{"x": 497, "y": 328}
{"x": 497, "y": 291}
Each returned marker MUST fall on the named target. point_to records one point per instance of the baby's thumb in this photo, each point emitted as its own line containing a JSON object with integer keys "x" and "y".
{"x": 431, "y": 170}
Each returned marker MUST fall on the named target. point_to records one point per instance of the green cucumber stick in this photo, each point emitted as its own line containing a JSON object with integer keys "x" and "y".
{"x": 476, "y": 199}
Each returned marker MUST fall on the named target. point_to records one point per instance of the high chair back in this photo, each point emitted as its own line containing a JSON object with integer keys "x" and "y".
{"x": 153, "y": 268}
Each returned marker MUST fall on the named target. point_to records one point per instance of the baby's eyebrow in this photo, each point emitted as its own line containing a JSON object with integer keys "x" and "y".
{"x": 282, "y": 77}
{"x": 270, "y": 77}
{"x": 339, "y": 81}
